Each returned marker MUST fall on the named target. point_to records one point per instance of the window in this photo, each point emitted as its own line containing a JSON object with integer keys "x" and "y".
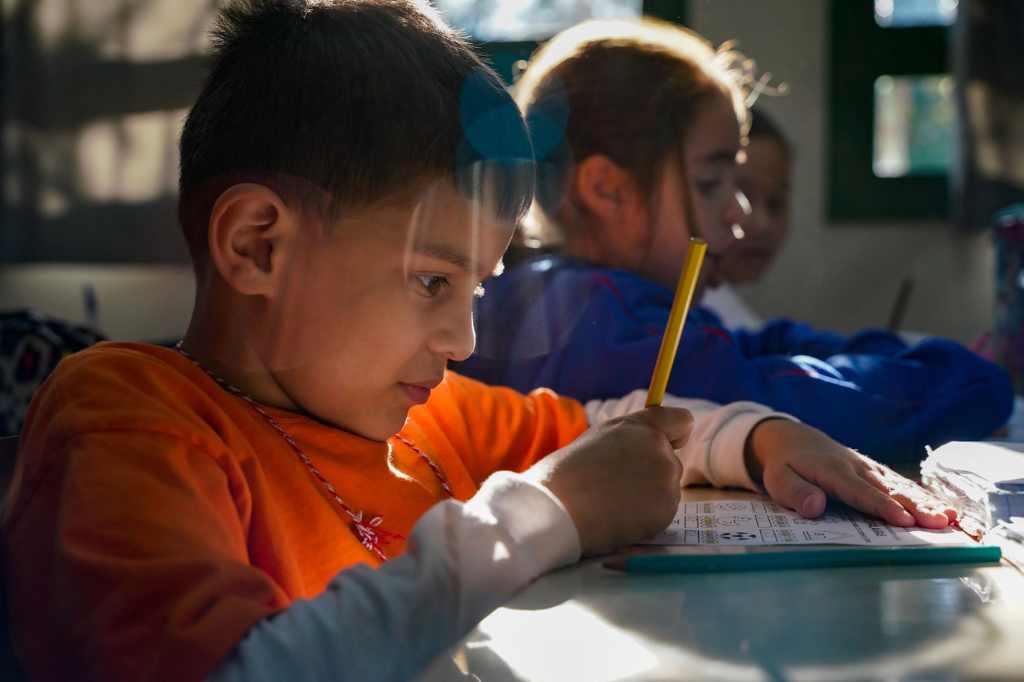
{"x": 915, "y": 130}
{"x": 94, "y": 96}
{"x": 900, "y": 13}
{"x": 508, "y": 31}
{"x": 522, "y": 20}
{"x": 893, "y": 109}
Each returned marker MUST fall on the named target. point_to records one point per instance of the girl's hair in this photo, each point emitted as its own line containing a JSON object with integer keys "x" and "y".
{"x": 762, "y": 125}
{"x": 626, "y": 89}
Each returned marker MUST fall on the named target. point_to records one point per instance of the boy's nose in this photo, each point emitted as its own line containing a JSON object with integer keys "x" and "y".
{"x": 456, "y": 338}
{"x": 754, "y": 221}
{"x": 735, "y": 220}
{"x": 738, "y": 210}
{"x": 757, "y": 224}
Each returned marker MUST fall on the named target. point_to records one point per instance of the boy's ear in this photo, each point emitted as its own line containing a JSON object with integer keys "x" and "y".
{"x": 611, "y": 195}
{"x": 250, "y": 233}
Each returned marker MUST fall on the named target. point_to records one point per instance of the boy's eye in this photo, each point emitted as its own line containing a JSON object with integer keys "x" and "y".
{"x": 432, "y": 284}
{"x": 778, "y": 204}
{"x": 707, "y": 187}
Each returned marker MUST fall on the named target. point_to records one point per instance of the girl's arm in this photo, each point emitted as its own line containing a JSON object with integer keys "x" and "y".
{"x": 885, "y": 405}
{"x": 786, "y": 337}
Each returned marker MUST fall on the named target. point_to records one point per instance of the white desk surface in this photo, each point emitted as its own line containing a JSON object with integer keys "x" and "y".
{"x": 590, "y": 624}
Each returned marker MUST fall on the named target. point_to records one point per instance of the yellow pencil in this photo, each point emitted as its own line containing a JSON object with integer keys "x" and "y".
{"x": 674, "y": 329}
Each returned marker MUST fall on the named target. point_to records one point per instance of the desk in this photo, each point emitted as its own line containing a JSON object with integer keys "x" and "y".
{"x": 589, "y": 624}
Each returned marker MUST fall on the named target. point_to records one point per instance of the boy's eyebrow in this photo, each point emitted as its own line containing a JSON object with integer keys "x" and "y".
{"x": 451, "y": 255}
{"x": 719, "y": 156}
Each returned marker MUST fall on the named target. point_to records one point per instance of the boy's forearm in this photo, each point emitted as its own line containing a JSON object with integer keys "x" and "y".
{"x": 717, "y": 450}
{"x": 461, "y": 562}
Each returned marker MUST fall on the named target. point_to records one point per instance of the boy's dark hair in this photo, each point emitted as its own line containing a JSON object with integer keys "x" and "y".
{"x": 340, "y": 104}
{"x": 762, "y": 125}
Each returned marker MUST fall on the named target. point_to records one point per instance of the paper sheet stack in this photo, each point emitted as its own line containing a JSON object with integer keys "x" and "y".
{"x": 1009, "y": 535}
{"x": 983, "y": 481}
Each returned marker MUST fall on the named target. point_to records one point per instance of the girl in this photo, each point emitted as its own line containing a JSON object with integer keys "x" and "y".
{"x": 638, "y": 130}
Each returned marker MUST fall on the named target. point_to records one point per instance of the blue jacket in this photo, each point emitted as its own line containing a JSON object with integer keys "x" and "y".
{"x": 591, "y": 333}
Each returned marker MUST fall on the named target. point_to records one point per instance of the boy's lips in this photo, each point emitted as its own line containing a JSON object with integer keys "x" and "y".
{"x": 712, "y": 274}
{"x": 419, "y": 391}
{"x": 755, "y": 252}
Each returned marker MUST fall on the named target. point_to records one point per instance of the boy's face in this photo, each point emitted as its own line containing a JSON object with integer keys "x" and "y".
{"x": 368, "y": 317}
{"x": 711, "y": 149}
{"x": 764, "y": 180}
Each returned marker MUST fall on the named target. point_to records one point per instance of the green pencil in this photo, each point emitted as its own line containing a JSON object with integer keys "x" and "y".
{"x": 816, "y": 558}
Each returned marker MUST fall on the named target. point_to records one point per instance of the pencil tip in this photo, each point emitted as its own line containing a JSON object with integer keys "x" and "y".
{"x": 616, "y": 564}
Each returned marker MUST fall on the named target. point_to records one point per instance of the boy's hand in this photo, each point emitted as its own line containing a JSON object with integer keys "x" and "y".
{"x": 620, "y": 481}
{"x": 799, "y": 465}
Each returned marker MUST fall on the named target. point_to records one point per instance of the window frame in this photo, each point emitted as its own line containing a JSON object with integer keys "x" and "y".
{"x": 861, "y": 52}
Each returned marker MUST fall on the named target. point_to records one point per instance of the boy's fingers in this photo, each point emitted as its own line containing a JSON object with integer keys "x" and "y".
{"x": 792, "y": 490}
{"x": 865, "y": 495}
{"x": 928, "y": 512}
{"x": 928, "y": 518}
{"x": 675, "y": 422}
{"x": 925, "y": 514}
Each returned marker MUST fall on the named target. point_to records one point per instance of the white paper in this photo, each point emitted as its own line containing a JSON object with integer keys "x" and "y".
{"x": 746, "y": 522}
{"x": 988, "y": 463}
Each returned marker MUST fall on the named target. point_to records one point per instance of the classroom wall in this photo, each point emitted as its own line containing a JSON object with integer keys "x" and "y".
{"x": 844, "y": 276}
{"x": 93, "y": 96}
{"x": 839, "y": 276}
{"x": 136, "y": 302}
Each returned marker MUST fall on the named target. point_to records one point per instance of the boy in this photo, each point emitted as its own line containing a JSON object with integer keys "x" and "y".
{"x": 349, "y": 174}
{"x": 764, "y": 180}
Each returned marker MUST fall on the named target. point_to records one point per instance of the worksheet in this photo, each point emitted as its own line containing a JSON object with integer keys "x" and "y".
{"x": 745, "y": 522}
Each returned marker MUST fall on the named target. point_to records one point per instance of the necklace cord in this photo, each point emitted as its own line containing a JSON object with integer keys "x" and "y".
{"x": 370, "y": 533}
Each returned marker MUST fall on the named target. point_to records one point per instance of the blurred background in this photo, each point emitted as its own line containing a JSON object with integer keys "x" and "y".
{"x": 904, "y": 116}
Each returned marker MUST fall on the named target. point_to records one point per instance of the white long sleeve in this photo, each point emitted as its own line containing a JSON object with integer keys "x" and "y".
{"x": 730, "y": 307}
{"x": 461, "y": 562}
{"x": 714, "y": 453}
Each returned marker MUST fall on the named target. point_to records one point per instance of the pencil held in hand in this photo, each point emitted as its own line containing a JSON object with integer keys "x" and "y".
{"x": 676, "y": 318}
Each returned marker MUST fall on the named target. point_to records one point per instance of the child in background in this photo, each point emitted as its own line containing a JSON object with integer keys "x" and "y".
{"x": 763, "y": 179}
{"x": 349, "y": 174}
{"x": 637, "y": 127}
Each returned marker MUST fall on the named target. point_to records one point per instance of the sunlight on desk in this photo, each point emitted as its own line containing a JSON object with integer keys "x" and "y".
{"x": 838, "y": 625}
{"x": 589, "y": 624}
{"x": 534, "y": 644}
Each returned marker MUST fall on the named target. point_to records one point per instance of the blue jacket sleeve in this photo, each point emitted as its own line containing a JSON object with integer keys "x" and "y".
{"x": 888, "y": 404}
{"x": 785, "y": 337}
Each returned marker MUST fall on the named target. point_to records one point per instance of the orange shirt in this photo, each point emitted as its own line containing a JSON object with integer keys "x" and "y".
{"x": 155, "y": 517}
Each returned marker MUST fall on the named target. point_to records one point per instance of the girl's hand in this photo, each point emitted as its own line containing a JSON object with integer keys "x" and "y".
{"x": 800, "y": 465}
